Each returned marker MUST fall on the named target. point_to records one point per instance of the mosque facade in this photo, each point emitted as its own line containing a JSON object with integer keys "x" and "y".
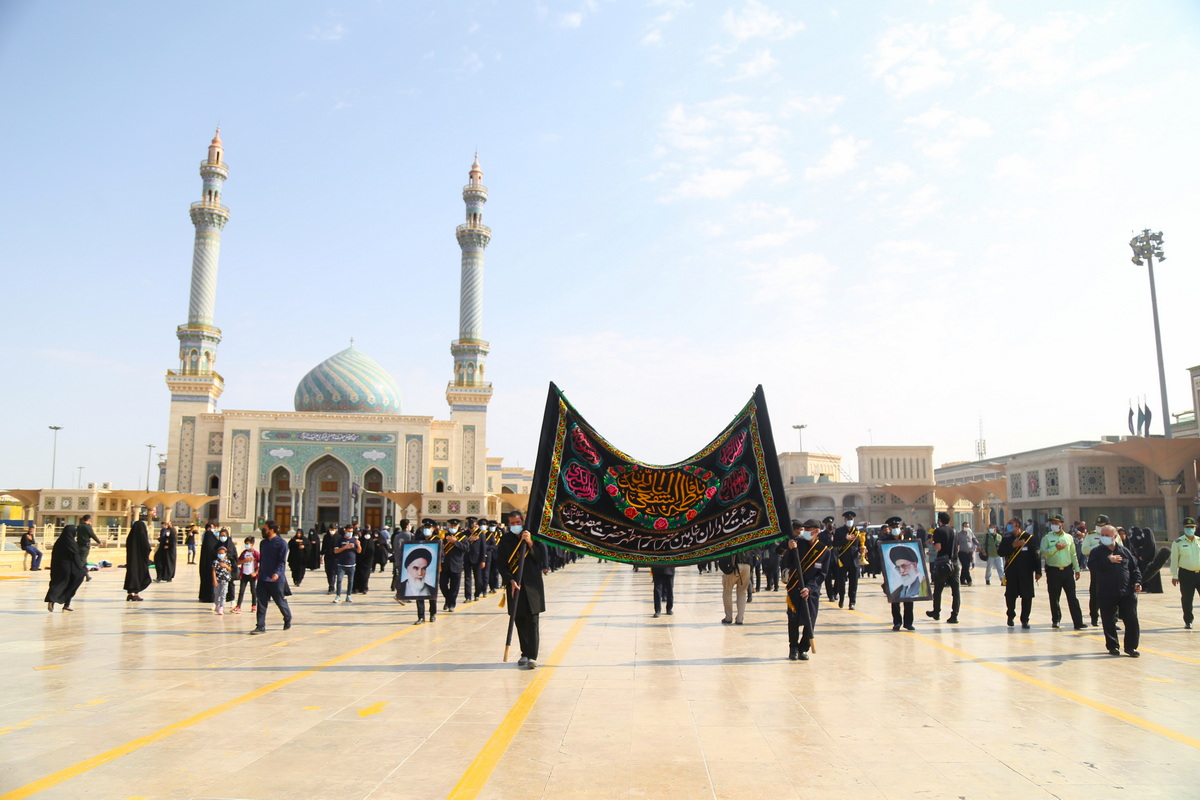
{"x": 348, "y": 450}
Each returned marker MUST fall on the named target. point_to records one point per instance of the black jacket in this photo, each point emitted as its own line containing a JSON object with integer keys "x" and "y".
{"x": 1114, "y": 580}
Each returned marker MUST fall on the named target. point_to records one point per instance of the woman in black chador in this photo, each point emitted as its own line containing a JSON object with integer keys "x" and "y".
{"x": 137, "y": 560}
{"x": 66, "y": 570}
{"x": 164, "y": 556}
{"x": 365, "y": 563}
{"x": 298, "y": 557}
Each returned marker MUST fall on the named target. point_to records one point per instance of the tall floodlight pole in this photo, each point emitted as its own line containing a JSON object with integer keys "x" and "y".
{"x": 54, "y": 454}
{"x": 800, "y": 433}
{"x": 149, "y": 456}
{"x": 79, "y": 479}
{"x": 1146, "y": 247}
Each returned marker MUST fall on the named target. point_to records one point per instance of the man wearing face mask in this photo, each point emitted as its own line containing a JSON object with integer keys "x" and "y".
{"x": 991, "y": 554}
{"x": 346, "y": 548}
{"x": 945, "y": 568}
{"x": 912, "y": 582}
{"x": 1185, "y": 568}
{"x": 454, "y": 548}
{"x": 1118, "y": 580}
{"x": 807, "y": 560}
{"x": 526, "y": 599}
{"x": 1022, "y": 571}
{"x": 1062, "y": 570}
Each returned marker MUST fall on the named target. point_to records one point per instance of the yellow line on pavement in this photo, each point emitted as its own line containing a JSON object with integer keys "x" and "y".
{"x": 88, "y": 764}
{"x": 473, "y": 780}
{"x": 1103, "y": 708}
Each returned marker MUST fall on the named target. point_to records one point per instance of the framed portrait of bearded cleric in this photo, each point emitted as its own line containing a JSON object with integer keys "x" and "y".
{"x": 419, "y": 570}
{"x": 905, "y": 572}
{"x": 589, "y": 496}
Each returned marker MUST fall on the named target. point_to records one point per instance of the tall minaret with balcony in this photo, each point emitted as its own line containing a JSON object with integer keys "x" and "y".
{"x": 469, "y": 393}
{"x": 195, "y": 386}
{"x": 199, "y": 337}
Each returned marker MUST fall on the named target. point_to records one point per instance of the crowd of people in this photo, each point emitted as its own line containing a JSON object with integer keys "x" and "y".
{"x": 478, "y": 557}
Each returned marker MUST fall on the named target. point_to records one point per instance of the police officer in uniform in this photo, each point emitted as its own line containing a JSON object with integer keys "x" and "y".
{"x": 1185, "y": 568}
{"x": 807, "y": 560}
{"x": 473, "y": 560}
{"x": 848, "y": 548}
{"x": 945, "y": 568}
{"x": 1062, "y": 570}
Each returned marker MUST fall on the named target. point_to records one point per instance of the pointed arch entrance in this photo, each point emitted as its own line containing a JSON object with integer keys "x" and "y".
{"x": 327, "y": 484}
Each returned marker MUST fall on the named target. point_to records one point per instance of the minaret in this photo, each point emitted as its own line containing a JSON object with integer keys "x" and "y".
{"x": 195, "y": 386}
{"x": 468, "y": 393}
{"x": 198, "y": 338}
{"x": 469, "y": 349}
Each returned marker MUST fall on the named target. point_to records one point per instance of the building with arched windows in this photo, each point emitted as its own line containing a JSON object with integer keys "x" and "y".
{"x": 347, "y": 450}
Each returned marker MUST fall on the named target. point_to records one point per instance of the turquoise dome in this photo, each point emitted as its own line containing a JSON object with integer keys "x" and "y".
{"x": 348, "y": 382}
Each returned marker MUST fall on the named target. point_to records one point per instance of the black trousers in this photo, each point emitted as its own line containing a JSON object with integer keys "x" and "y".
{"x": 845, "y": 577}
{"x": 664, "y": 592}
{"x": 1189, "y": 584}
{"x": 940, "y": 581}
{"x": 432, "y": 608}
{"x": 907, "y": 620}
{"x": 1127, "y": 606}
{"x": 795, "y": 621}
{"x": 771, "y": 571}
{"x": 331, "y": 573}
{"x": 964, "y": 575}
{"x": 527, "y": 634}
{"x": 1093, "y": 601}
{"x": 267, "y": 591}
{"x": 471, "y": 581}
{"x": 1062, "y": 579}
{"x": 1011, "y": 593}
{"x": 450, "y": 582}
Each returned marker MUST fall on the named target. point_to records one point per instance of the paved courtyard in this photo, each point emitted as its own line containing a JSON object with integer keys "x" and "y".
{"x": 162, "y": 699}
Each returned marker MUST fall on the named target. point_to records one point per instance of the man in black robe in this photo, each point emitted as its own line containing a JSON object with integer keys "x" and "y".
{"x": 1022, "y": 570}
{"x": 1141, "y": 544}
{"x": 66, "y": 571}
{"x": 1118, "y": 581}
{"x": 519, "y": 554}
{"x": 137, "y": 560}
{"x": 164, "y": 556}
{"x": 327, "y": 554}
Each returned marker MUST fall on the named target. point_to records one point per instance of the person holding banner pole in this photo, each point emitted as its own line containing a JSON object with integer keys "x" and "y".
{"x": 807, "y": 561}
{"x": 526, "y": 597}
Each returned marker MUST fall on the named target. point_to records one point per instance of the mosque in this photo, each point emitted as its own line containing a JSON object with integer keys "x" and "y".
{"x": 348, "y": 451}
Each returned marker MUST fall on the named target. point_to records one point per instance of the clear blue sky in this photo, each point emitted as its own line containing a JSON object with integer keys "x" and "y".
{"x": 898, "y": 217}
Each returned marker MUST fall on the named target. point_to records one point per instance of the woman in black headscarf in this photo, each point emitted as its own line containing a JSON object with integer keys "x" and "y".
{"x": 313, "y": 541}
{"x": 164, "y": 556}
{"x": 365, "y": 563}
{"x": 298, "y": 557}
{"x": 137, "y": 560}
{"x": 66, "y": 570}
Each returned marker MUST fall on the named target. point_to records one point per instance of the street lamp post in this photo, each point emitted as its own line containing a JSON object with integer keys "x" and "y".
{"x": 54, "y": 454}
{"x": 149, "y": 456}
{"x": 800, "y": 433}
{"x": 1146, "y": 247}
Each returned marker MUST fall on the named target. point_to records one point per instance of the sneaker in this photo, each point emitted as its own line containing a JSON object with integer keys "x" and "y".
{"x": 533, "y": 664}
{"x": 852, "y": 606}
{"x": 1187, "y": 625}
{"x": 523, "y": 662}
{"x": 1112, "y": 651}
{"x": 1053, "y": 624}
{"x": 337, "y": 600}
{"x": 236, "y": 610}
{"x": 254, "y": 608}
{"x": 220, "y": 612}
{"x": 1133, "y": 653}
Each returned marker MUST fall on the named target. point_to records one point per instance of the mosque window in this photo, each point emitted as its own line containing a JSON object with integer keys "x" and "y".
{"x": 374, "y": 481}
{"x": 283, "y": 482}
{"x": 439, "y": 487}
{"x": 329, "y": 486}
